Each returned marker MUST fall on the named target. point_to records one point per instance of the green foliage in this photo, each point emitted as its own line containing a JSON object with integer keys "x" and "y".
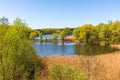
{"x": 34, "y": 34}
{"x": 64, "y": 33}
{"x": 4, "y": 20}
{"x": 18, "y": 59}
{"x": 85, "y": 33}
{"x": 76, "y": 33}
{"x": 115, "y": 28}
{"x": 40, "y": 34}
{"x": 55, "y": 30}
{"x": 23, "y": 31}
{"x": 19, "y": 22}
{"x": 54, "y": 36}
{"x": 66, "y": 72}
{"x": 3, "y": 30}
{"x": 50, "y": 30}
{"x": 115, "y": 37}
{"x": 67, "y": 30}
{"x": 105, "y": 34}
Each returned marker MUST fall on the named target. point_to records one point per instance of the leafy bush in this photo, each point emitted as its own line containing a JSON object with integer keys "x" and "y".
{"x": 18, "y": 59}
{"x": 66, "y": 72}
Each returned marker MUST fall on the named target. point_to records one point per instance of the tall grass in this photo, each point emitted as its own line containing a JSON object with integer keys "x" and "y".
{"x": 100, "y": 67}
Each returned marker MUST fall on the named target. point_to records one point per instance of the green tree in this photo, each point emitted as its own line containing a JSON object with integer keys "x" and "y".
{"x": 76, "y": 32}
{"x": 115, "y": 37}
{"x": 19, "y": 22}
{"x": 4, "y": 20}
{"x": 54, "y": 36}
{"x": 104, "y": 34}
{"x": 64, "y": 33}
{"x": 115, "y": 25}
{"x": 18, "y": 59}
{"x": 33, "y": 34}
{"x": 115, "y": 28}
{"x": 85, "y": 33}
{"x": 67, "y": 30}
{"x": 40, "y": 35}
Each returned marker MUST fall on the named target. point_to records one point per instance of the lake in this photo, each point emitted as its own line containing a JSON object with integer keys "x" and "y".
{"x": 46, "y": 49}
{"x": 48, "y": 36}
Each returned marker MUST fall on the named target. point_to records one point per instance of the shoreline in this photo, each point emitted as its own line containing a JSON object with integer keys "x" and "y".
{"x": 105, "y": 65}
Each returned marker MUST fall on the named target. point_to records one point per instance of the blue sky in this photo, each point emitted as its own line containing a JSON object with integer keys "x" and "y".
{"x": 60, "y": 13}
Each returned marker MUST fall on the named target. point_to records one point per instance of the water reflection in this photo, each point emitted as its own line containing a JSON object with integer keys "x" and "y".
{"x": 45, "y": 49}
{"x": 92, "y": 49}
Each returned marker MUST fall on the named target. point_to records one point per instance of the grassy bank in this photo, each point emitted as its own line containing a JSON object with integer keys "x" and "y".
{"x": 100, "y": 67}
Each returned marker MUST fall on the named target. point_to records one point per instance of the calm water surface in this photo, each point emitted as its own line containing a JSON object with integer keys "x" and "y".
{"x": 46, "y": 49}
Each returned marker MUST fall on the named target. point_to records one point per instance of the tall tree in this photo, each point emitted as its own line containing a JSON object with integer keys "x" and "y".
{"x": 115, "y": 28}
{"x": 33, "y": 34}
{"x": 19, "y": 22}
{"x": 17, "y": 56}
{"x": 64, "y": 33}
{"x": 4, "y": 20}
{"x": 54, "y": 36}
{"x": 85, "y": 33}
{"x": 104, "y": 34}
